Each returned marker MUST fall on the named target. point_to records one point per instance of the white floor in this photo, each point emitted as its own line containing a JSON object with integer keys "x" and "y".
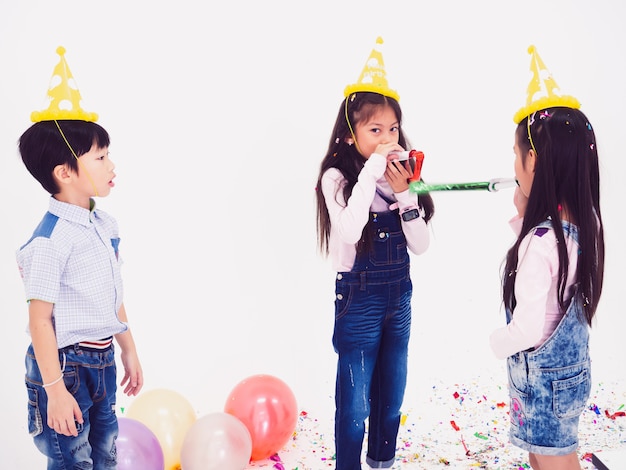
{"x": 478, "y": 407}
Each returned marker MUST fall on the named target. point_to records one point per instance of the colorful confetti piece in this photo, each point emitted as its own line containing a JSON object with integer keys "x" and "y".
{"x": 430, "y": 435}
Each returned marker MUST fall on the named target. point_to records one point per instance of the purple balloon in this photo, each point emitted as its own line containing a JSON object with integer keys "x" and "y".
{"x": 137, "y": 447}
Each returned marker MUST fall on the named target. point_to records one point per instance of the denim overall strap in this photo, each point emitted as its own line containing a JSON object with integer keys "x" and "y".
{"x": 569, "y": 230}
{"x": 572, "y": 325}
{"x": 568, "y": 344}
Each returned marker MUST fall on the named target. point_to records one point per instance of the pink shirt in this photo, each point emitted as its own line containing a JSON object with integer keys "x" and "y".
{"x": 348, "y": 220}
{"x": 536, "y": 314}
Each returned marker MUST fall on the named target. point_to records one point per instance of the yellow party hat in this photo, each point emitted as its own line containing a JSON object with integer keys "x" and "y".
{"x": 373, "y": 77}
{"x": 543, "y": 92}
{"x": 64, "y": 99}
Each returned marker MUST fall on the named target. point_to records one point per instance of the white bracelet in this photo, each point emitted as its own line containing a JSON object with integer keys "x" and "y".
{"x": 60, "y": 377}
{"x": 54, "y": 381}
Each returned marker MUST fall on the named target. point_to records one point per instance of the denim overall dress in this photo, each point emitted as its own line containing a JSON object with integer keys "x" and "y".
{"x": 549, "y": 386}
{"x": 371, "y": 336}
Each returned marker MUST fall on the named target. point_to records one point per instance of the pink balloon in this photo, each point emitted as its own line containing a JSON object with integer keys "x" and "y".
{"x": 217, "y": 441}
{"x": 137, "y": 447}
{"x": 268, "y": 408}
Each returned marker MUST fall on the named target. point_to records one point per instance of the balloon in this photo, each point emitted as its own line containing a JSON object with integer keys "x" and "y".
{"x": 217, "y": 441}
{"x": 169, "y": 416}
{"x": 268, "y": 408}
{"x": 137, "y": 447}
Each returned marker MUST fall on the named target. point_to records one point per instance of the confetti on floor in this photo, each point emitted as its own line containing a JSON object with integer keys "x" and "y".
{"x": 458, "y": 426}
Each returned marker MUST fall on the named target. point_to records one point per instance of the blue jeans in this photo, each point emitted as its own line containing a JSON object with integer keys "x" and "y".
{"x": 90, "y": 376}
{"x": 371, "y": 336}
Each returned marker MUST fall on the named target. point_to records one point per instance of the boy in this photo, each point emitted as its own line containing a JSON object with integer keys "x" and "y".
{"x": 71, "y": 273}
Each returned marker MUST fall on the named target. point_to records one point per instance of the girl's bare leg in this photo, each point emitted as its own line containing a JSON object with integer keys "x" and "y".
{"x": 533, "y": 461}
{"x": 555, "y": 462}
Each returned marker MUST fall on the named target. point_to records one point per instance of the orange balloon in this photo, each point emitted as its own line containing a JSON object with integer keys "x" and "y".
{"x": 268, "y": 408}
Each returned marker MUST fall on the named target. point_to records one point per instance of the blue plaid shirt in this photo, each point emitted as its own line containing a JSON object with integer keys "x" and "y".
{"x": 72, "y": 261}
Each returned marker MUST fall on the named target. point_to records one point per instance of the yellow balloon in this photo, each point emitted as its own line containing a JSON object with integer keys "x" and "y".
{"x": 169, "y": 416}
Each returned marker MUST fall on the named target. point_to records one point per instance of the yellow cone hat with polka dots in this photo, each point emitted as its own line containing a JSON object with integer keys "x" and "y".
{"x": 373, "y": 77}
{"x": 64, "y": 100}
{"x": 542, "y": 92}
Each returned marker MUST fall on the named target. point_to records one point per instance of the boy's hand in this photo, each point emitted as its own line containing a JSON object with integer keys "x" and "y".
{"x": 133, "y": 374}
{"x": 63, "y": 410}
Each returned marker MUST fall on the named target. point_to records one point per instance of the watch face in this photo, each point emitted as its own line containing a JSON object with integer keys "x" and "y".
{"x": 410, "y": 215}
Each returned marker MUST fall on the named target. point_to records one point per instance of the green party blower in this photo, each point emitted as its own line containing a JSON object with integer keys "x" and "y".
{"x": 420, "y": 187}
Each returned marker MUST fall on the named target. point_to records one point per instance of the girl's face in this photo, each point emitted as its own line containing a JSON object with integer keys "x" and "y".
{"x": 381, "y": 128}
{"x": 524, "y": 170}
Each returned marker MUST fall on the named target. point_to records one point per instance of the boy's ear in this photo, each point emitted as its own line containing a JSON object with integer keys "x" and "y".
{"x": 63, "y": 174}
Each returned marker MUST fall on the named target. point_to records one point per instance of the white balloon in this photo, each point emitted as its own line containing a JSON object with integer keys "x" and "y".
{"x": 217, "y": 441}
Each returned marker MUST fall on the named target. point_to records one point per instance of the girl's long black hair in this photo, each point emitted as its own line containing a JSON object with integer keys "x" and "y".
{"x": 346, "y": 158}
{"x": 566, "y": 176}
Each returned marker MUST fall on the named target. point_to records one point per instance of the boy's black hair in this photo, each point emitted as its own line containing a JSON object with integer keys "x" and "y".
{"x": 42, "y": 147}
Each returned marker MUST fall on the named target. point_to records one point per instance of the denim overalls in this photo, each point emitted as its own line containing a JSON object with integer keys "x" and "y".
{"x": 549, "y": 386}
{"x": 90, "y": 376}
{"x": 371, "y": 336}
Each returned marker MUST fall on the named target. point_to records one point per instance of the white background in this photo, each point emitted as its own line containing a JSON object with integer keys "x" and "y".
{"x": 219, "y": 115}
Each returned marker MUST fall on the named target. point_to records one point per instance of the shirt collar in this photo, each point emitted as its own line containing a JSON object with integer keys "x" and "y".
{"x": 72, "y": 213}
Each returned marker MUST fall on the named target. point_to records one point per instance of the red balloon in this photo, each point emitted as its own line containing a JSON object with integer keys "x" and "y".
{"x": 268, "y": 408}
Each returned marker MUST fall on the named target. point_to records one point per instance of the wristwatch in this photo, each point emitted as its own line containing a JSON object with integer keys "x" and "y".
{"x": 410, "y": 215}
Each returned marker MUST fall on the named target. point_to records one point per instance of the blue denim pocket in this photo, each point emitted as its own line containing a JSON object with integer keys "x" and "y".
{"x": 35, "y": 422}
{"x": 343, "y": 298}
{"x": 518, "y": 390}
{"x": 390, "y": 249}
{"x": 71, "y": 379}
{"x": 571, "y": 394}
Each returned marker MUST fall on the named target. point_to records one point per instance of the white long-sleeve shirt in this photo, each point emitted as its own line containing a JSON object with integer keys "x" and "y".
{"x": 536, "y": 314}
{"x": 348, "y": 219}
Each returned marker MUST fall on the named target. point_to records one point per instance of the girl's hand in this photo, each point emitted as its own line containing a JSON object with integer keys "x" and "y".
{"x": 520, "y": 201}
{"x": 385, "y": 149}
{"x": 397, "y": 174}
